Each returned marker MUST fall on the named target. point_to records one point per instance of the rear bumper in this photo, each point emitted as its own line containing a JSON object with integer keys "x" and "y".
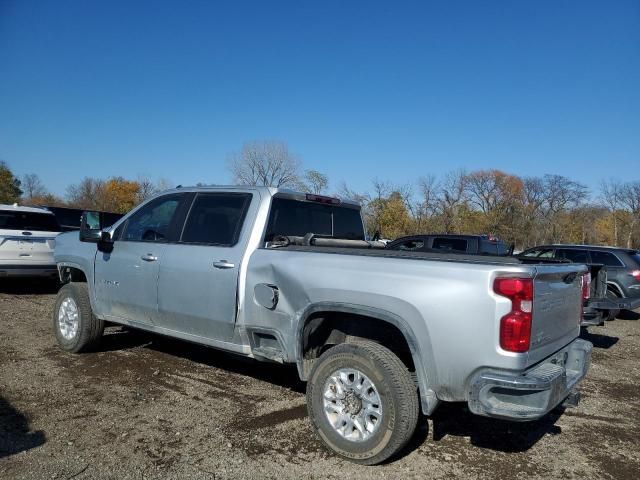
{"x": 535, "y": 392}
{"x": 626, "y": 303}
{"x": 28, "y": 270}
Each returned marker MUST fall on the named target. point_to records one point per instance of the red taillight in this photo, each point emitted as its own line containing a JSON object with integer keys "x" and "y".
{"x": 586, "y": 286}
{"x": 515, "y": 326}
{"x": 636, "y": 274}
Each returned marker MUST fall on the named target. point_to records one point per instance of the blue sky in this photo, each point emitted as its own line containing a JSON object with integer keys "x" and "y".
{"x": 359, "y": 90}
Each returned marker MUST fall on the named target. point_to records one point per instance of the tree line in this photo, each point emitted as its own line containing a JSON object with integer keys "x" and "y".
{"x": 525, "y": 211}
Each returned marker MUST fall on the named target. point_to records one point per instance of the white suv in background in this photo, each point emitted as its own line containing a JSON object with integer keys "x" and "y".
{"x": 27, "y": 239}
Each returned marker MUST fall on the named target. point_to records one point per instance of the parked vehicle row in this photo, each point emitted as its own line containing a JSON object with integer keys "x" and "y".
{"x": 27, "y": 240}
{"x": 623, "y": 264}
{"x": 469, "y": 244}
{"x": 613, "y": 284}
{"x": 377, "y": 334}
{"x": 28, "y": 237}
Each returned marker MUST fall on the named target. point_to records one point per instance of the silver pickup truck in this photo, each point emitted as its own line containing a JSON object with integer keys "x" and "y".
{"x": 378, "y": 335}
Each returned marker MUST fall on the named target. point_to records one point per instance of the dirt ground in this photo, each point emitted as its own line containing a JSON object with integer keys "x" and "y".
{"x": 145, "y": 406}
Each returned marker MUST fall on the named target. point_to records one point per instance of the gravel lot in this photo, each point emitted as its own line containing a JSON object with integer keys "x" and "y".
{"x": 151, "y": 407}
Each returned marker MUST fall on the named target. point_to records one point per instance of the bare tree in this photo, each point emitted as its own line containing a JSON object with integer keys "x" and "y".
{"x": 452, "y": 196}
{"x": 348, "y": 194}
{"x": 148, "y": 188}
{"x": 32, "y": 187}
{"x": 630, "y": 199}
{"x": 610, "y": 195}
{"x": 426, "y": 206}
{"x": 561, "y": 193}
{"x": 267, "y": 163}
{"x": 315, "y": 182}
{"x": 88, "y": 194}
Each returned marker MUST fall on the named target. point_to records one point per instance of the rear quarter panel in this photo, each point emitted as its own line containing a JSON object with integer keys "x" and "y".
{"x": 448, "y": 307}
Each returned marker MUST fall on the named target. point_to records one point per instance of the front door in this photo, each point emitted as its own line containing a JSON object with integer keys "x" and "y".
{"x": 126, "y": 280}
{"x": 198, "y": 280}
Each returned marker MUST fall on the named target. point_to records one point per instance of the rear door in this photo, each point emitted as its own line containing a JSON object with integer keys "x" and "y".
{"x": 198, "y": 276}
{"x": 126, "y": 280}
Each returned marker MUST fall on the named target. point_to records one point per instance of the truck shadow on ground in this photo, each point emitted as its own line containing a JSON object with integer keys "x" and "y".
{"x": 449, "y": 419}
{"x": 15, "y": 433}
{"x": 29, "y": 286}
{"x": 490, "y": 433}
{"x": 123, "y": 338}
{"x": 599, "y": 340}
{"x": 628, "y": 315}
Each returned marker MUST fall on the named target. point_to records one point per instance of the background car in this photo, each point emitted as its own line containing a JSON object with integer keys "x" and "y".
{"x": 27, "y": 240}
{"x": 469, "y": 244}
{"x": 623, "y": 264}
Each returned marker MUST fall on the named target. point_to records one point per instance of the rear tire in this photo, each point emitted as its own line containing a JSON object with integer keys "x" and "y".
{"x": 373, "y": 412}
{"x": 76, "y": 328}
{"x": 613, "y": 296}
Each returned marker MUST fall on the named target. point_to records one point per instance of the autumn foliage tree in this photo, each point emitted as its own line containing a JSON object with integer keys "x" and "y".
{"x": 115, "y": 194}
{"x": 9, "y": 185}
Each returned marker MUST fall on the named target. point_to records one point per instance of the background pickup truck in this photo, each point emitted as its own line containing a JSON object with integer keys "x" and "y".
{"x": 377, "y": 334}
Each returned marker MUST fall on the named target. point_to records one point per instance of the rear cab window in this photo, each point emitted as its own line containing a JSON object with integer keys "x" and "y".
{"x": 297, "y": 218}
{"x": 28, "y": 221}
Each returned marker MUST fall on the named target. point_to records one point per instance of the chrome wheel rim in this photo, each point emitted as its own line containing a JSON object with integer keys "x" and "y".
{"x": 352, "y": 404}
{"x": 68, "y": 318}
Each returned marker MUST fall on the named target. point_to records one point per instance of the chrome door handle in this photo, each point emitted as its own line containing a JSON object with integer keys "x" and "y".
{"x": 223, "y": 264}
{"x": 149, "y": 257}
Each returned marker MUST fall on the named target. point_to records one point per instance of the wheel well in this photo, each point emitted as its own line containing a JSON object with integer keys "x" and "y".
{"x": 615, "y": 289}
{"x": 72, "y": 274}
{"x": 323, "y": 330}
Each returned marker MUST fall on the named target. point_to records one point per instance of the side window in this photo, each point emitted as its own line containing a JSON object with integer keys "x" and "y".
{"x": 575, "y": 256}
{"x": 151, "y": 223}
{"x": 216, "y": 218}
{"x": 410, "y": 245}
{"x": 605, "y": 258}
{"x": 450, "y": 244}
{"x": 539, "y": 252}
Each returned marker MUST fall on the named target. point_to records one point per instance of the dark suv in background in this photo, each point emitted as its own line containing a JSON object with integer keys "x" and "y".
{"x": 623, "y": 264}
{"x": 469, "y": 244}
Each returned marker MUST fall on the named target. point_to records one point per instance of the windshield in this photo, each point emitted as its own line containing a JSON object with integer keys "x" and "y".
{"x": 38, "y": 222}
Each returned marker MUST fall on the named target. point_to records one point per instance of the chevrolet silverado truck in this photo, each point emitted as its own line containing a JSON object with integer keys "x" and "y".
{"x": 378, "y": 335}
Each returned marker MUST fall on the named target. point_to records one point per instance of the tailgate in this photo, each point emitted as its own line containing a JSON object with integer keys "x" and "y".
{"x": 557, "y": 308}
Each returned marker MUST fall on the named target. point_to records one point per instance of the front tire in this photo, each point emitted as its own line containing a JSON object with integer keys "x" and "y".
{"x": 362, "y": 402}
{"x": 76, "y": 328}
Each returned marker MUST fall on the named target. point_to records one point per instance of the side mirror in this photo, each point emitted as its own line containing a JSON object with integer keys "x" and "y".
{"x": 91, "y": 231}
{"x": 91, "y": 227}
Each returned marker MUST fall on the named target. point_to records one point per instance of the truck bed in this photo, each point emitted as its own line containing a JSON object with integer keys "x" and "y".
{"x": 433, "y": 256}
